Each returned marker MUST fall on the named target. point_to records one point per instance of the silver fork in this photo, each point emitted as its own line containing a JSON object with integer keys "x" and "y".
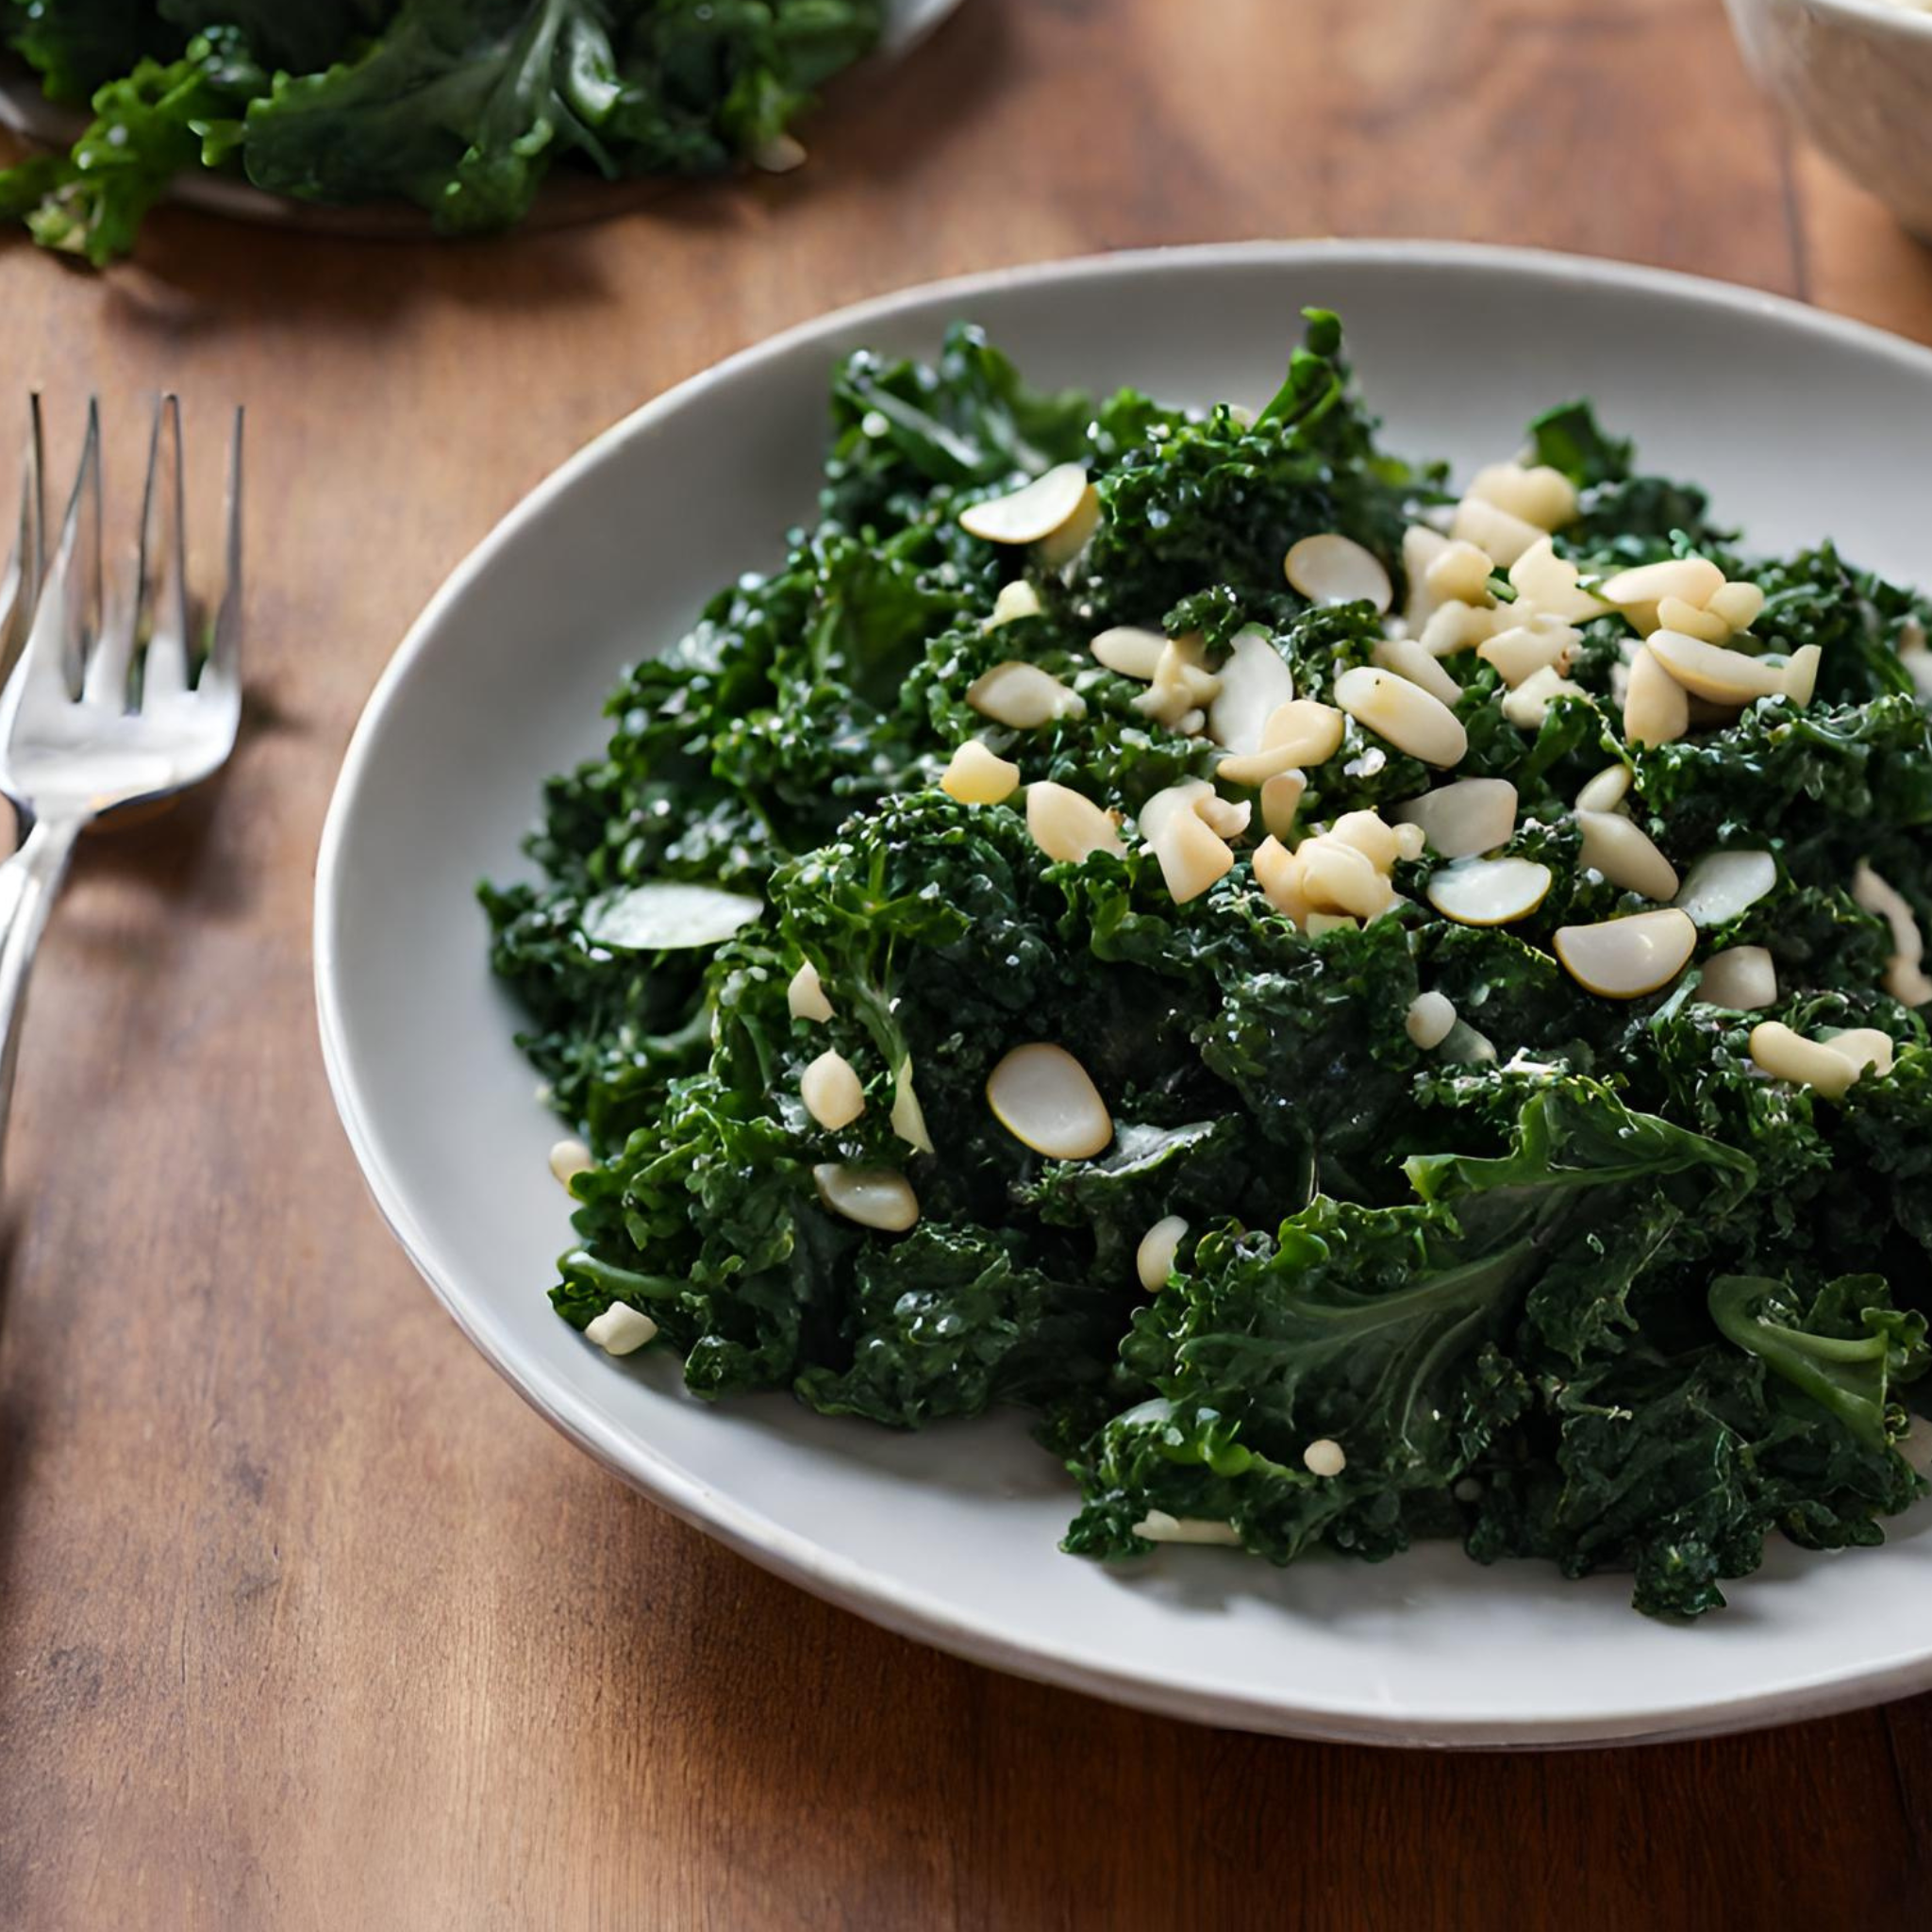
{"x": 102, "y": 711}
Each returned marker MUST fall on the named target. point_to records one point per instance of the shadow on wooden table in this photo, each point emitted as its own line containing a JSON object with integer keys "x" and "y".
{"x": 858, "y": 1768}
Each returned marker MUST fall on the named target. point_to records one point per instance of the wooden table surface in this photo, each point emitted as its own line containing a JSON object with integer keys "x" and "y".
{"x": 305, "y": 1621}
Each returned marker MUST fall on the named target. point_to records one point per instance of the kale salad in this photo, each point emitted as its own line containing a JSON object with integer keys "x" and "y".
{"x": 1369, "y": 1010}
{"x": 458, "y": 106}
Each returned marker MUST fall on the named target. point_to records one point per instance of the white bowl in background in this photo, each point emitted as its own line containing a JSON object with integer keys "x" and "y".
{"x": 1856, "y": 78}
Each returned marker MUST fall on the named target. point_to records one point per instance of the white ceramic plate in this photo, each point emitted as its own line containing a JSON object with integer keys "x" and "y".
{"x": 568, "y": 197}
{"x": 1802, "y": 424}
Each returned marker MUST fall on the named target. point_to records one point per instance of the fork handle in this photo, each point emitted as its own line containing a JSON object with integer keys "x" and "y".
{"x": 29, "y": 883}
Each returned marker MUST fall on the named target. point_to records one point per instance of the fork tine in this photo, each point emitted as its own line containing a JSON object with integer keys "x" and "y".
{"x": 67, "y": 621}
{"x": 19, "y": 582}
{"x": 221, "y": 675}
{"x": 160, "y": 602}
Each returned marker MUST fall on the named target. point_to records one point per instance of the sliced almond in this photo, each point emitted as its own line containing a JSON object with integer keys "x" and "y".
{"x": 908, "y": 1116}
{"x": 1406, "y": 658}
{"x": 1403, "y": 713}
{"x": 1538, "y": 493}
{"x": 1029, "y": 515}
{"x": 1529, "y": 704}
{"x": 1904, "y": 976}
{"x": 1330, "y": 569}
{"x": 1709, "y": 671}
{"x": 1619, "y": 849}
{"x": 1607, "y": 791}
{"x": 1016, "y": 599}
{"x": 1458, "y": 626}
{"x": 1722, "y": 884}
{"x": 1460, "y": 575}
{"x": 1421, "y": 546}
{"x": 1674, "y": 614}
{"x": 1278, "y": 872}
{"x": 1739, "y": 605}
{"x": 1370, "y": 836}
{"x": 1549, "y": 584}
{"x": 1695, "y": 579}
{"x": 1254, "y": 683}
{"x": 1153, "y": 1258}
{"x": 1489, "y": 891}
{"x": 1520, "y": 652}
{"x": 1065, "y": 544}
{"x": 1655, "y": 707}
{"x": 1464, "y": 818}
{"x": 1131, "y": 653}
{"x": 1281, "y": 798}
{"x": 1337, "y": 877}
{"x": 978, "y": 777}
{"x": 1430, "y": 1017}
{"x": 1023, "y": 696}
{"x": 1624, "y": 959}
{"x": 1788, "y": 1056}
{"x": 872, "y": 1196}
{"x": 832, "y": 1092}
{"x": 1503, "y": 535}
{"x": 1045, "y": 1099}
{"x": 1742, "y": 977}
{"x": 1191, "y": 856}
{"x": 1067, "y": 826}
{"x": 805, "y": 996}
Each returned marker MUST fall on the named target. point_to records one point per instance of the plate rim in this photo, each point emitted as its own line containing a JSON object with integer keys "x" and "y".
{"x": 853, "y": 1585}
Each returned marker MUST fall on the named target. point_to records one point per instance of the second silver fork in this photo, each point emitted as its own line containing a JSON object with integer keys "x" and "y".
{"x": 102, "y": 711}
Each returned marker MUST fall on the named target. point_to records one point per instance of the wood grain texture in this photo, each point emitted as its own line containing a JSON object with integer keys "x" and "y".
{"x": 305, "y": 1621}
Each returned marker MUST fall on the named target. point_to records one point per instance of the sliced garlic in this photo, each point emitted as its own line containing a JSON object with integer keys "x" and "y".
{"x": 1406, "y": 658}
{"x": 1153, "y": 1258}
{"x": 832, "y": 1092}
{"x": 872, "y": 1196}
{"x": 1045, "y": 1099}
{"x": 1254, "y": 683}
{"x": 978, "y": 777}
{"x": 569, "y": 1158}
{"x": 1191, "y": 856}
{"x": 1866, "y": 1047}
{"x": 1489, "y": 891}
{"x": 1023, "y": 696}
{"x": 1016, "y": 599}
{"x": 1281, "y": 798}
{"x": 1528, "y": 704}
{"x": 805, "y": 996}
{"x": 1739, "y": 605}
{"x": 1538, "y": 495}
{"x": 1278, "y": 872}
{"x": 1619, "y": 849}
{"x": 1301, "y": 733}
{"x": 1788, "y": 1056}
{"x": 1158, "y": 1526}
{"x": 1182, "y": 681}
{"x": 1319, "y": 923}
{"x": 1655, "y": 709}
{"x": 1460, "y": 575}
{"x": 1029, "y": 515}
{"x": 1129, "y": 652}
{"x": 1624, "y": 959}
{"x": 620, "y": 1329}
{"x": 1801, "y": 675}
{"x": 1370, "y": 836}
{"x": 1403, "y": 713}
{"x": 1904, "y": 976}
{"x": 1154, "y": 816}
{"x": 1742, "y": 977}
{"x": 1421, "y": 546}
{"x": 1549, "y": 584}
{"x": 1607, "y": 791}
{"x": 1464, "y": 818}
{"x": 1722, "y": 884}
{"x": 1503, "y": 535}
{"x": 908, "y": 1116}
{"x": 1330, "y": 569}
{"x": 1430, "y": 1017}
{"x": 1067, "y": 827}
{"x": 1065, "y": 544}
{"x": 1226, "y": 817}
{"x": 1457, "y": 626}
{"x": 1695, "y": 579}
{"x": 1337, "y": 878}
{"x": 1324, "y": 1457}
{"x": 1674, "y": 614}
{"x": 1709, "y": 671}
{"x": 1520, "y": 652}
